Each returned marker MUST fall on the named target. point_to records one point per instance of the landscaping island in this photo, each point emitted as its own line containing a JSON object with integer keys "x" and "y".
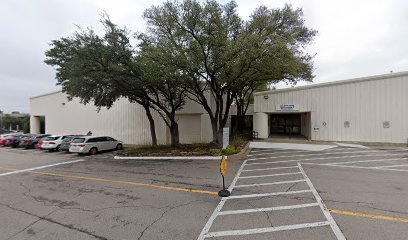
{"x": 197, "y": 149}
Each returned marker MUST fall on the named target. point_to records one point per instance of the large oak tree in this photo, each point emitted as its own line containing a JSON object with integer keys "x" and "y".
{"x": 226, "y": 57}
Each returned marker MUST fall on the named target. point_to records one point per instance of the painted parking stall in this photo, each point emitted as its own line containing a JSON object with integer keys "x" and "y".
{"x": 295, "y": 175}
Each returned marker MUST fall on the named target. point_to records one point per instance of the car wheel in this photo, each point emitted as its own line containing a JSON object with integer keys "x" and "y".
{"x": 119, "y": 147}
{"x": 93, "y": 151}
{"x": 58, "y": 148}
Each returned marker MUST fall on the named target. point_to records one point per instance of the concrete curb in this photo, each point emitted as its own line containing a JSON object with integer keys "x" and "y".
{"x": 170, "y": 158}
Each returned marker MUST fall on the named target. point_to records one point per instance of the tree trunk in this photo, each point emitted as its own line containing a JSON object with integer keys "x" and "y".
{"x": 152, "y": 125}
{"x": 174, "y": 134}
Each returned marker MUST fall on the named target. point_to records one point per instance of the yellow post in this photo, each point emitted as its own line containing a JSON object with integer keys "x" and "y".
{"x": 223, "y": 169}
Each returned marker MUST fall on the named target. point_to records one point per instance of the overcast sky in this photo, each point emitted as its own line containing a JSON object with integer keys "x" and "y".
{"x": 356, "y": 38}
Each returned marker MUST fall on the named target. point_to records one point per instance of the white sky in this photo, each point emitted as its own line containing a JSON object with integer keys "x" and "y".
{"x": 356, "y": 38}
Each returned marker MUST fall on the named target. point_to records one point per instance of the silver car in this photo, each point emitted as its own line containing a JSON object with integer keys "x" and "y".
{"x": 93, "y": 145}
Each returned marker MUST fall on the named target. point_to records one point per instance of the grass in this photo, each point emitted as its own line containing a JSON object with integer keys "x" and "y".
{"x": 196, "y": 149}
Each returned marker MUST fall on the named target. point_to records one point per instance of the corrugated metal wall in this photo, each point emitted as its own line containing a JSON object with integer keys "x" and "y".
{"x": 124, "y": 121}
{"x": 366, "y": 104}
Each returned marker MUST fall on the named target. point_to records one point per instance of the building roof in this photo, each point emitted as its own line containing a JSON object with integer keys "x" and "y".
{"x": 46, "y": 94}
{"x": 339, "y": 82}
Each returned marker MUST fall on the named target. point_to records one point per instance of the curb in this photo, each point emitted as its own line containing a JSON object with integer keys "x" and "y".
{"x": 170, "y": 158}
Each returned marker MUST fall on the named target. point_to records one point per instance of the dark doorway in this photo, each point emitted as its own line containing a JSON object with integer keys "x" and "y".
{"x": 286, "y": 124}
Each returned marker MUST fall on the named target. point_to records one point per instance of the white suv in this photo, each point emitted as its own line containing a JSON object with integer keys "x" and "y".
{"x": 93, "y": 145}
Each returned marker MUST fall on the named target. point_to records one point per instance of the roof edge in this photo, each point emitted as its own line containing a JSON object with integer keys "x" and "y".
{"x": 46, "y": 94}
{"x": 338, "y": 82}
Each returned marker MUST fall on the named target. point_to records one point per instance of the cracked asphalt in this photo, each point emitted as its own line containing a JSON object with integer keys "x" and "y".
{"x": 98, "y": 198}
{"x": 38, "y": 206}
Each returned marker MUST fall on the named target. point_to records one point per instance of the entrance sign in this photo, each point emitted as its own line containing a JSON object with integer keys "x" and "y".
{"x": 287, "y": 107}
{"x": 225, "y": 138}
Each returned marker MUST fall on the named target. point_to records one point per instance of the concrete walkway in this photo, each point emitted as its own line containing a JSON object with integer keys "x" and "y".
{"x": 294, "y": 146}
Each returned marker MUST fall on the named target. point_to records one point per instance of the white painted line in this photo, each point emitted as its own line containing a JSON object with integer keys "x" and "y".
{"x": 314, "y": 159}
{"x": 272, "y": 175}
{"x": 263, "y": 169}
{"x": 272, "y": 183}
{"x": 332, "y": 150}
{"x": 268, "y": 194}
{"x": 371, "y": 168}
{"x": 363, "y": 161}
{"x": 268, "y": 209}
{"x": 323, "y": 207}
{"x": 391, "y": 166}
{"x": 219, "y": 206}
{"x": 41, "y": 167}
{"x": 319, "y": 154}
{"x": 266, "y": 230}
{"x": 170, "y": 158}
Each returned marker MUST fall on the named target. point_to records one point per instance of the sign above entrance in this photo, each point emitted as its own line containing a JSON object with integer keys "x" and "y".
{"x": 287, "y": 107}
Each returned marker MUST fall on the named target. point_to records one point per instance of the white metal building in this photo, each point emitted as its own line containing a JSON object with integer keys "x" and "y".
{"x": 124, "y": 121}
{"x": 370, "y": 109}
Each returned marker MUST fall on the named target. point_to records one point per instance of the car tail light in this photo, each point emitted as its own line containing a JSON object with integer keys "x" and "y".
{"x": 51, "y": 143}
{"x": 69, "y": 143}
{"x": 81, "y": 145}
{"x": 28, "y": 141}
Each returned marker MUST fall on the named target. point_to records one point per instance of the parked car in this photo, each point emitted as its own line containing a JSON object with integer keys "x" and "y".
{"x": 3, "y": 139}
{"x": 9, "y": 140}
{"x": 67, "y": 142}
{"x": 19, "y": 140}
{"x": 52, "y": 142}
{"x": 93, "y": 145}
{"x": 32, "y": 141}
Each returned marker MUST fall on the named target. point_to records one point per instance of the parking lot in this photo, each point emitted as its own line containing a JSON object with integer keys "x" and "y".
{"x": 340, "y": 193}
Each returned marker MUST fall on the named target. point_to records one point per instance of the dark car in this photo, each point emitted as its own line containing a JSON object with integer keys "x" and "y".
{"x": 16, "y": 143}
{"x": 32, "y": 141}
{"x": 67, "y": 142}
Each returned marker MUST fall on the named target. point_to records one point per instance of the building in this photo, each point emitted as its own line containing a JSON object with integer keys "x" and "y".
{"x": 369, "y": 109}
{"x": 124, "y": 121}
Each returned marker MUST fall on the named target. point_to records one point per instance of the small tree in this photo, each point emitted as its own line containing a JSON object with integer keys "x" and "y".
{"x": 103, "y": 69}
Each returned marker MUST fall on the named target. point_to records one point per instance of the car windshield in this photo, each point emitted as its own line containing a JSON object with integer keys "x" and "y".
{"x": 52, "y": 138}
{"x": 67, "y": 139}
{"x": 78, "y": 140}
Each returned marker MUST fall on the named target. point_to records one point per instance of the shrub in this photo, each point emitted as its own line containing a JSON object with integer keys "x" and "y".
{"x": 215, "y": 151}
{"x": 229, "y": 150}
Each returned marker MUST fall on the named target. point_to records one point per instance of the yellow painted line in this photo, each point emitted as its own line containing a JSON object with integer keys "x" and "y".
{"x": 366, "y": 215}
{"x": 120, "y": 182}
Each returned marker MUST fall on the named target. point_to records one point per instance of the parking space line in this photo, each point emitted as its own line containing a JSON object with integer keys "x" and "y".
{"x": 372, "y": 160}
{"x": 119, "y": 182}
{"x": 272, "y": 183}
{"x": 252, "y": 210}
{"x": 347, "y": 166}
{"x": 40, "y": 167}
{"x": 325, "y": 158}
{"x": 323, "y": 207}
{"x": 268, "y": 194}
{"x": 272, "y": 175}
{"x": 391, "y": 166}
{"x": 266, "y": 230}
{"x": 263, "y": 169}
{"x": 366, "y": 215}
{"x": 319, "y": 154}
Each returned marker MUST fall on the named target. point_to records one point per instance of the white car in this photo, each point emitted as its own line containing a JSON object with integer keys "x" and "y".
{"x": 93, "y": 145}
{"x": 52, "y": 142}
